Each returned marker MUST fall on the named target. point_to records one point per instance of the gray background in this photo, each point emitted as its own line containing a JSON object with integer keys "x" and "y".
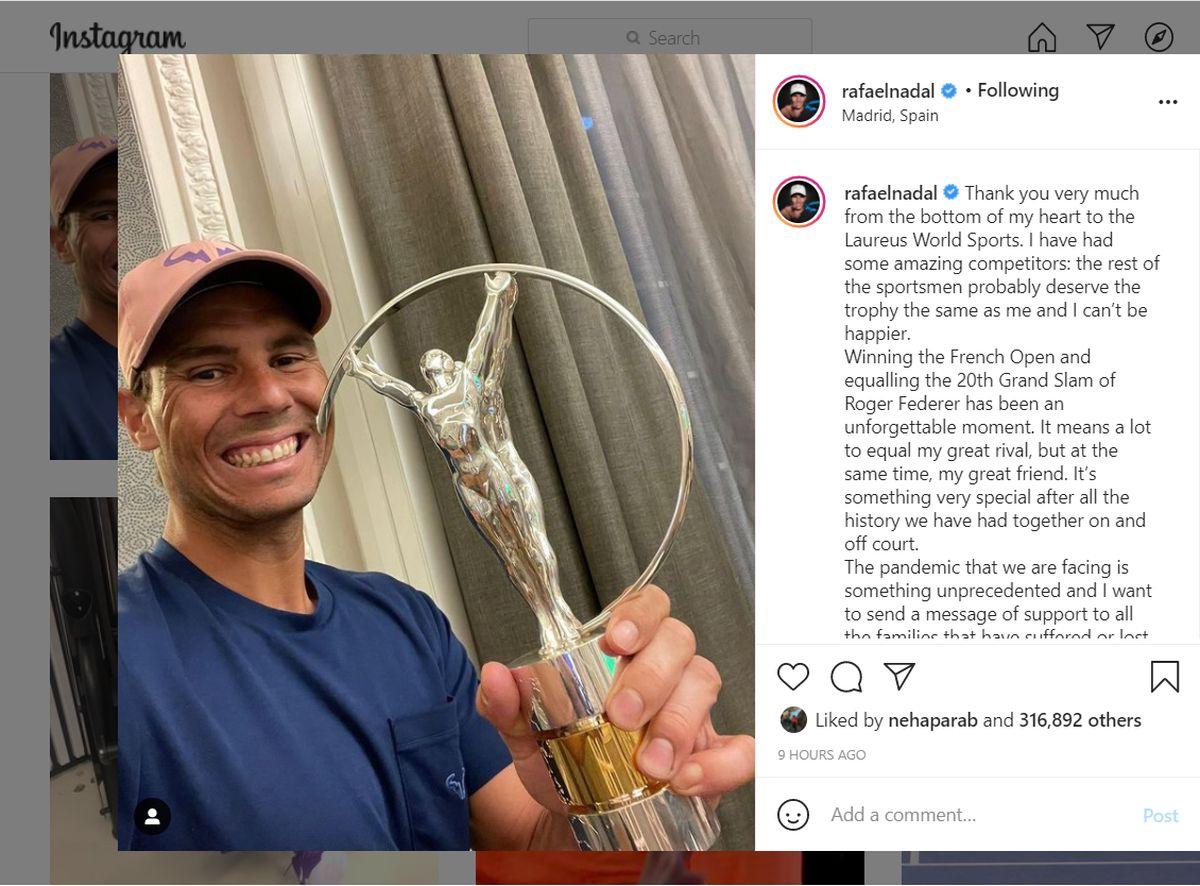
{"x": 28, "y": 479}
{"x": 25, "y": 518}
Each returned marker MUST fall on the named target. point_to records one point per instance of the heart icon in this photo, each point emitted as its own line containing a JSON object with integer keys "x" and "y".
{"x": 793, "y": 675}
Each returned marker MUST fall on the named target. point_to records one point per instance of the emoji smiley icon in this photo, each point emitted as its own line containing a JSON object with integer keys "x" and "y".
{"x": 793, "y": 815}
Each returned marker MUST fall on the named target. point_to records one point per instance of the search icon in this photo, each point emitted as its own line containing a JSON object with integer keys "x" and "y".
{"x": 633, "y": 37}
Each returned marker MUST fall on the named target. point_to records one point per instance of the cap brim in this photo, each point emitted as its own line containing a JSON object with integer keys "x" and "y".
{"x": 82, "y": 173}
{"x": 273, "y": 269}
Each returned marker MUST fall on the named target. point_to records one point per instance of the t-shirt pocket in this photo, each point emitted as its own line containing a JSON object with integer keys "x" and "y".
{"x": 433, "y": 778}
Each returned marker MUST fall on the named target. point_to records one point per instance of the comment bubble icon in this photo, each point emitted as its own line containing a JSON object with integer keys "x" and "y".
{"x": 846, "y": 677}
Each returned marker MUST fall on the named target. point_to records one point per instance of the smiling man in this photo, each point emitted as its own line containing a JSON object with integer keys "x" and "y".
{"x": 276, "y": 703}
{"x": 797, "y": 99}
{"x": 83, "y": 357}
{"x": 802, "y": 204}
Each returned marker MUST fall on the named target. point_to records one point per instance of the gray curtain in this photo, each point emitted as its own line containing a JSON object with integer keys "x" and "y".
{"x": 457, "y": 160}
{"x": 674, "y": 144}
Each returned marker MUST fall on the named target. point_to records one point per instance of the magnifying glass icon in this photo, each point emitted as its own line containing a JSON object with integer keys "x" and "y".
{"x": 633, "y": 37}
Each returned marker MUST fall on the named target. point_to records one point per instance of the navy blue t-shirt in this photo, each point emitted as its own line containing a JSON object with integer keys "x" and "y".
{"x": 83, "y": 395}
{"x": 350, "y": 728}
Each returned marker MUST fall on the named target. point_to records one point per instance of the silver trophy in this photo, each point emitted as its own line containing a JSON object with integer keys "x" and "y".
{"x": 610, "y": 804}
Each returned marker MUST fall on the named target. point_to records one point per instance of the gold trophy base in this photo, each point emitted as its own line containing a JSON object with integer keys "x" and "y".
{"x": 610, "y": 803}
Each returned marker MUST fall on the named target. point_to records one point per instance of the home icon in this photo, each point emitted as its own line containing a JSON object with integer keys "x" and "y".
{"x": 1042, "y": 39}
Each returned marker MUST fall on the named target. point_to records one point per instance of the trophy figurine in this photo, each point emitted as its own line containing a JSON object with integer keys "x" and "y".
{"x": 564, "y": 685}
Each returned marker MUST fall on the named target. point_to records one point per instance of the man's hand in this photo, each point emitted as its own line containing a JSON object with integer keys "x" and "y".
{"x": 661, "y": 684}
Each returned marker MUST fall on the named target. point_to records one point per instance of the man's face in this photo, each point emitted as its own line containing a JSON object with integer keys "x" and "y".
{"x": 235, "y": 388}
{"x": 798, "y": 202}
{"x": 798, "y": 101}
{"x": 86, "y": 238}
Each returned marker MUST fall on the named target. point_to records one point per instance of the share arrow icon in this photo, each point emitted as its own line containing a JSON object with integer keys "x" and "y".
{"x": 1101, "y": 33}
{"x": 901, "y": 671}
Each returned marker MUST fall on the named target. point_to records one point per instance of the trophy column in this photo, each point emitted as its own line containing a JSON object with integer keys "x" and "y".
{"x": 611, "y": 804}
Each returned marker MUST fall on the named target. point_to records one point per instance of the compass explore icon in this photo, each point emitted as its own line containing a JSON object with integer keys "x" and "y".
{"x": 1159, "y": 37}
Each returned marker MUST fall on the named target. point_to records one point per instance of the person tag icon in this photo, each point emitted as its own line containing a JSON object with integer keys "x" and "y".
{"x": 152, "y": 816}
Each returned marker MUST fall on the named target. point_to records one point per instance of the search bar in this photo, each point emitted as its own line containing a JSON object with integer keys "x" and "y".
{"x": 602, "y": 35}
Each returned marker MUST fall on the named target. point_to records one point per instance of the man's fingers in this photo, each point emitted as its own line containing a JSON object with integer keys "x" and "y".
{"x": 647, "y": 680}
{"x": 671, "y": 733}
{"x": 728, "y": 763}
{"x": 635, "y": 621}
{"x": 498, "y": 701}
{"x": 498, "y": 698}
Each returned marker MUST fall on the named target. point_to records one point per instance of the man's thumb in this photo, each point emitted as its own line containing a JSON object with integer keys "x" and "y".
{"x": 499, "y": 700}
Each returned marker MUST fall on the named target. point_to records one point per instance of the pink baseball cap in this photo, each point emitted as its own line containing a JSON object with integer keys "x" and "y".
{"x": 150, "y": 292}
{"x": 70, "y": 165}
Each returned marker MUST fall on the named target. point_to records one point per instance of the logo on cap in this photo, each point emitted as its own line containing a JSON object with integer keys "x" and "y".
{"x": 196, "y": 255}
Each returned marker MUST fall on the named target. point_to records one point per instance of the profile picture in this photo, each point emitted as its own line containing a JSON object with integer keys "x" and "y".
{"x": 799, "y": 201}
{"x": 799, "y": 101}
{"x": 793, "y": 720}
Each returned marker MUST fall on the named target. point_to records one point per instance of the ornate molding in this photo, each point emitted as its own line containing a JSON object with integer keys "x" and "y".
{"x": 186, "y": 121}
{"x": 93, "y": 102}
{"x": 100, "y": 91}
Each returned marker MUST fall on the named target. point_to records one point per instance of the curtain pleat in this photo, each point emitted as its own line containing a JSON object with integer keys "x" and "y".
{"x": 696, "y": 291}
